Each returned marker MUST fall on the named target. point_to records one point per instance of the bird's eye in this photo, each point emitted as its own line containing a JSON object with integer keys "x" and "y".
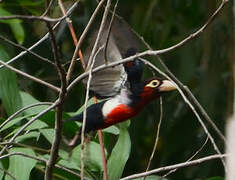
{"x": 153, "y": 84}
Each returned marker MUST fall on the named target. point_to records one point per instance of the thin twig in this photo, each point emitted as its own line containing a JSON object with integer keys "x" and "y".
{"x": 157, "y": 137}
{"x": 102, "y": 26}
{"x": 29, "y": 51}
{"x": 85, "y": 113}
{"x": 40, "y": 18}
{"x": 47, "y": 9}
{"x": 22, "y": 110}
{"x": 41, "y": 160}
{"x": 109, "y": 32}
{"x": 180, "y": 165}
{"x": 9, "y": 174}
{"x": 84, "y": 33}
{"x": 52, "y": 87}
{"x": 26, "y": 125}
{"x": 71, "y": 9}
{"x": 75, "y": 40}
{"x": 27, "y": 146}
{"x": 196, "y": 153}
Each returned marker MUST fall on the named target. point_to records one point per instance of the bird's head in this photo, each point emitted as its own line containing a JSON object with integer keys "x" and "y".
{"x": 155, "y": 87}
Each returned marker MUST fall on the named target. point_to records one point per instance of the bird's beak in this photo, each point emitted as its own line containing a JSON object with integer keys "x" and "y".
{"x": 166, "y": 86}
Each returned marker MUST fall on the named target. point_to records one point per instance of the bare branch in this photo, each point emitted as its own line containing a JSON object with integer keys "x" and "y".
{"x": 29, "y": 51}
{"x": 42, "y": 39}
{"x": 109, "y": 32}
{"x": 157, "y": 137}
{"x": 31, "y": 77}
{"x": 9, "y": 174}
{"x": 196, "y": 153}
{"x": 27, "y": 124}
{"x": 84, "y": 33}
{"x": 22, "y": 110}
{"x": 180, "y": 165}
{"x": 41, "y": 160}
{"x": 40, "y": 18}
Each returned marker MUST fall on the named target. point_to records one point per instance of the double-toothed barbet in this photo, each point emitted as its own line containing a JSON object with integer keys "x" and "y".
{"x": 124, "y": 105}
{"x": 121, "y": 86}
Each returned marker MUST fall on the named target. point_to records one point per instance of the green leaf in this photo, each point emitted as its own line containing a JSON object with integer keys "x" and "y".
{"x": 27, "y": 136}
{"x": 27, "y": 99}
{"x": 48, "y": 134}
{"x": 37, "y": 125}
{"x": 69, "y": 164}
{"x": 112, "y": 130}
{"x": 13, "y": 122}
{"x": 15, "y": 25}
{"x": 120, "y": 153}
{"x": 1, "y": 172}
{"x": 20, "y": 166}
{"x": 215, "y": 178}
{"x": 93, "y": 156}
{"x": 9, "y": 90}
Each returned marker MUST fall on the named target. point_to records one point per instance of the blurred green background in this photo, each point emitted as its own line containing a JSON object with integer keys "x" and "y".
{"x": 203, "y": 64}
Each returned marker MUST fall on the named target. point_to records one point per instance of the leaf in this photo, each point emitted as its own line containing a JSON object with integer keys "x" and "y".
{"x": 13, "y": 122}
{"x": 215, "y": 178}
{"x": 9, "y": 90}
{"x": 1, "y": 171}
{"x": 120, "y": 153}
{"x": 15, "y": 25}
{"x": 27, "y": 99}
{"x": 48, "y": 134}
{"x": 36, "y": 125}
{"x": 112, "y": 130}
{"x": 20, "y": 166}
{"x": 69, "y": 164}
{"x": 27, "y": 136}
{"x": 93, "y": 156}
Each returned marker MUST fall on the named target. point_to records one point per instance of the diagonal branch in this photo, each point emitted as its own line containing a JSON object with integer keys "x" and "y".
{"x": 71, "y": 9}
{"x": 29, "y": 51}
{"x": 180, "y": 165}
{"x": 30, "y": 77}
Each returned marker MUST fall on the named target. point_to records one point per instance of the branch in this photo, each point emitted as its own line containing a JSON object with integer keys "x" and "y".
{"x": 30, "y": 77}
{"x": 41, "y": 160}
{"x": 59, "y": 109}
{"x": 75, "y": 40}
{"x": 29, "y": 51}
{"x": 27, "y": 124}
{"x": 40, "y": 18}
{"x": 41, "y": 40}
{"x": 9, "y": 174}
{"x": 22, "y": 110}
{"x": 157, "y": 137}
{"x": 180, "y": 165}
{"x": 84, "y": 33}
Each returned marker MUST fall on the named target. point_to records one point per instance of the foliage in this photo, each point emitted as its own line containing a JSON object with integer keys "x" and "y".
{"x": 203, "y": 65}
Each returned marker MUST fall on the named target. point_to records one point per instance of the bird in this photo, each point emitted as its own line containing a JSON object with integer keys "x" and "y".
{"x": 124, "y": 105}
{"x": 121, "y": 87}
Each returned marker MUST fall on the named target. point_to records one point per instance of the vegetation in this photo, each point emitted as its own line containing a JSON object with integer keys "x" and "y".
{"x": 203, "y": 64}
